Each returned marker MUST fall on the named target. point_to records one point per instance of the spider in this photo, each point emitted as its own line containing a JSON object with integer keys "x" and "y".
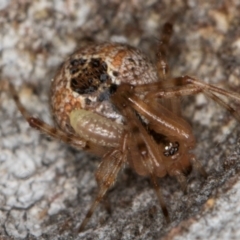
{"x": 110, "y": 100}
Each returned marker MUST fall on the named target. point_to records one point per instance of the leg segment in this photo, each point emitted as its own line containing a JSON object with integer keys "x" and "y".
{"x": 160, "y": 197}
{"x": 198, "y": 166}
{"x": 149, "y": 157}
{"x": 106, "y": 175}
{"x": 160, "y": 120}
{"x": 182, "y": 180}
{"x": 172, "y": 104}
{"x": 146, "y": 158}
{"x": 162, "y": 51}
{"x": 40, "y": 125}
{"x": 189, "y": 86}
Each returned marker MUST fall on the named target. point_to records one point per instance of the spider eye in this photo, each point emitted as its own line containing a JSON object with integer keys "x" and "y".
{"x": 171, "y": 149}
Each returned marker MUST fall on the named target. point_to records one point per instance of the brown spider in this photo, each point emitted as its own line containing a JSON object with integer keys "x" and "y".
{"x": 110, "y": 100}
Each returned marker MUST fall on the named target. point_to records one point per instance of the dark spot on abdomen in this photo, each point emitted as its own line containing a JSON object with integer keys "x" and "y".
{"x": 115, "y": 73}
{"x": 89, "y": 77}
{"x": 113, "y": 88}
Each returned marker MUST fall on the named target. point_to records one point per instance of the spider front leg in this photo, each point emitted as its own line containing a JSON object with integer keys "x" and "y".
{"x": 190, "y": 86}
{"x": 186, "y": 85}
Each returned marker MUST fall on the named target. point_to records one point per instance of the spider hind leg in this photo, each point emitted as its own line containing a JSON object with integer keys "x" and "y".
{"x": 39, "y": 124}
{"x": 106, "y": 176}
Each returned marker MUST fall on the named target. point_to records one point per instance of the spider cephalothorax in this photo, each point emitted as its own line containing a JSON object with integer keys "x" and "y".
{"x": 110, "y": 100}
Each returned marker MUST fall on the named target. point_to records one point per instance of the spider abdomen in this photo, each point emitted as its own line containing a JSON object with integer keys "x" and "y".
{"x": 91, "y": 75}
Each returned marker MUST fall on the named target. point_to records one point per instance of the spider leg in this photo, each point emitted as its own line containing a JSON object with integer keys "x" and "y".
{"x": 185, "y": 82}
{"x": 163, "y": 70}
{"x": 211, "y": 88}
{"x": 153, "y": 87}
{"x": 211, "y": 91}
{"x": 149, "y": 156}
{"x": 160, "y": 197}
{"x": 161, "y": 120}
{"x": 162, "y": 51}
{"x": 190, "y": 86}
{"x": 172, "y": 92}
{"x": 146, "y": 160}
{"x": 198, "y": 166}
{"x": 106, "y": 175}
{"x": 182, "y": 180}
{"x": 39, "y": 124}
{"x": 180, "y": 176}
{"x": 224, "y": 105}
